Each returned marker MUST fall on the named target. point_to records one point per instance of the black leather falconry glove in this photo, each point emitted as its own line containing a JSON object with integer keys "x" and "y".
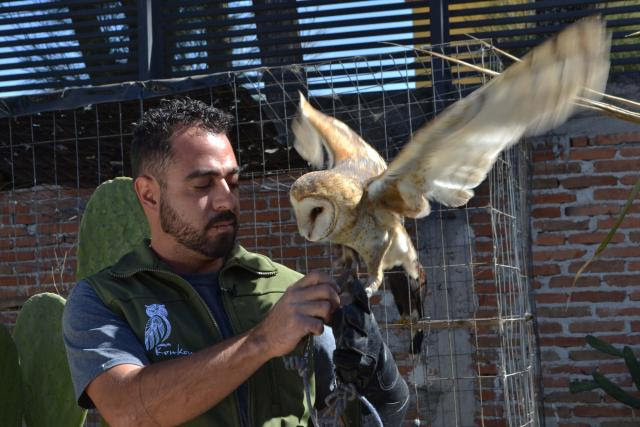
{"x": 362, "y": 358}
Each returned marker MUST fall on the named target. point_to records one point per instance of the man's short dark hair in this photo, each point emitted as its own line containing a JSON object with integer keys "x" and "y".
{"x": 151, "y": 145}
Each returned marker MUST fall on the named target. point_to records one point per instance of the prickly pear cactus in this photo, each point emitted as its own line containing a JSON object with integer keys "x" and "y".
{"x": 600, "y": 381}
{"x": 48, "y": 392}
{"x": 112, "y": 224}
{"x": 11, "y": 385}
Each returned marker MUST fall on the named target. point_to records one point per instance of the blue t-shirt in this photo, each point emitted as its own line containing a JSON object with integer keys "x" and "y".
{"x": 97, "y": 339}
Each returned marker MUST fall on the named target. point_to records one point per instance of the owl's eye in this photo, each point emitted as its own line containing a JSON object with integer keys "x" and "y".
{"x": 315, "y": 212}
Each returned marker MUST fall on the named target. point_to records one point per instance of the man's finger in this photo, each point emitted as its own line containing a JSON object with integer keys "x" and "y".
{"x": 317, "y": 309}
{"x": 316, "y": 278}
{"x": 314, "y": 325}
{"x": 319, "y": 292}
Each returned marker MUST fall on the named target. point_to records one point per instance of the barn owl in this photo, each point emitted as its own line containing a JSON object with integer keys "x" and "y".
{"x": 359, "y": 202}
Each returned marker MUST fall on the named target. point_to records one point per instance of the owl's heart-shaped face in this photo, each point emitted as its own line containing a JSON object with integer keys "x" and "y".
{"x": 315, "y": 216}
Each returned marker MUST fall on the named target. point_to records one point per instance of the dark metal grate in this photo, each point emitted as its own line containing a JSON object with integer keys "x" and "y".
{"x": 48, "y": 44}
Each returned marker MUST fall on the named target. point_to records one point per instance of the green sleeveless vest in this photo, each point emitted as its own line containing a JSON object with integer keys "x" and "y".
{"x": 142, "y": 289}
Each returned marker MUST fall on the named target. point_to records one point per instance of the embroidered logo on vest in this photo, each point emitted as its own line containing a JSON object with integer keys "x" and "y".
{"x": 157, "y": 330}
{"x": 158, "y": 327}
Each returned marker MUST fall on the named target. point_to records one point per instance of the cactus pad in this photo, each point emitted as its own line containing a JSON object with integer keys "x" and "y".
{"x": 48, "y": 392}
{"x": 112, "y": 224}
{"x": 11, "y": 386}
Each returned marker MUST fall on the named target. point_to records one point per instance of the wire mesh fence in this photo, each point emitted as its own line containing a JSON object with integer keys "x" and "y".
{"x": 477, "y": 363}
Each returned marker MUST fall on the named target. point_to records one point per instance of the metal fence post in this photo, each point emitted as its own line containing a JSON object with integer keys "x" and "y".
{"x": 439, "y": 27}
{"x": 150, "y": 40}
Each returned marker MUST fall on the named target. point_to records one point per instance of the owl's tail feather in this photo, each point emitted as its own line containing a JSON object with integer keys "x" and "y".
{"x": 407, "y": 293}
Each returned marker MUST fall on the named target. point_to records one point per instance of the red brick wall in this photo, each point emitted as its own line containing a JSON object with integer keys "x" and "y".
{"x": 38, "y": 231}
{"x": 579, "y": 184}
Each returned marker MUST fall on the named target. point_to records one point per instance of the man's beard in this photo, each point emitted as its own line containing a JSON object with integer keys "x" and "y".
{"x": 185, "y": 234}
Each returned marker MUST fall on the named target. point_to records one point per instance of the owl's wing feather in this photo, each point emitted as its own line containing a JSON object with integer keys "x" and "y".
{"x": 453, "y": 154}
{"x": 317, "y": 133}
{"x": 154, "y": 331}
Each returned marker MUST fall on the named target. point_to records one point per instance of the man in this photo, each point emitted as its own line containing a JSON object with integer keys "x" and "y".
{"x": 192, "y": 327}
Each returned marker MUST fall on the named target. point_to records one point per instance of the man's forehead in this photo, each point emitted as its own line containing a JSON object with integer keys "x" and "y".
{"x": 194, "y": 144}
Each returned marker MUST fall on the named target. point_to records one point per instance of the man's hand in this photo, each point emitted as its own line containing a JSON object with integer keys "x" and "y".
{"x": 303, "y": 309}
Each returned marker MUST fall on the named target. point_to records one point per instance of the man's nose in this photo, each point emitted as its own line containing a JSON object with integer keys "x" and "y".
{"x": 223, "y": 197}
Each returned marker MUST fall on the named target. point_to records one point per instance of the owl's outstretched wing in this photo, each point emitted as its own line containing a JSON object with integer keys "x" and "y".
{"x": 317, "y": 133}
{"x": 453, "y": 154}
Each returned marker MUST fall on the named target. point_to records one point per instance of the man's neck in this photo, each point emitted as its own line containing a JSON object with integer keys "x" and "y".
{"x": 184, "y": 260}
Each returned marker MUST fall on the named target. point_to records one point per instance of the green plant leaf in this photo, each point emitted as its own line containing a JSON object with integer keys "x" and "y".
{"x": 616, "y": 392}
{"x": 603, "y": 346}
{"x": 579, "y": 386}
{"x": 49, "y": 398}
{"x": 632, "y": 365}
{"x": 11, "y": 399}
{"x": 625, "y": 209}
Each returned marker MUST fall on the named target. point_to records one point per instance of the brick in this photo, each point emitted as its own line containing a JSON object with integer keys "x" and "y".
{"x": 610, "y": 252}
{"x": 17, "y": 256}
{"x": 555, "y": 382}
{"x": 629, "y": 180}
{"x": 611, "y": 194}
{"x": 598, "y": 267}
{"x": 542, "y": 156}
{"x": 584, "y": 397}
{"x": 567, "y": 281}
{"x": 579, "y": 141}
{"x": 12, "y": 231}
{"x": 596, "y": 326}
{"x": 483, "y": 230}
{"x": 272, "y": 216}
{"x": 562, "y": 341}
{"x": 553, "y": 198}
{"x": 281, "y": 202}
{"x": 556, "y": 412}
{"x": 601, "y": 411}
{"x": 592, "y": 153}
{"x": 544, "y": 183}
{"x": 549, "y": 327}
{"x": 546, "y": 269}
{"x": 550, "y": 240}
{"x": 587, "y": 355}
{"x": 556, "y": 168}
{"x": 630, "y": 151}
{"x": 591, "y": 238}
{"x": 560, "y": 225}
{"x": 621, "y": 423}
{"x": 628, "y": 222}
{"x": 558, "y": 254}
{"x": 599, "y": 296}
{"x": 551, "y": 298}
{"x": 588, "y": 181}
{"x": 617, "y": 138}
{"x": 250, "y": 204}
{"x": 480, "y": 218}
{"x": 562, "y": 312}
{"x": 550, "y": 212}
{"x": 622, "y": 279}
{"x": 592, "y": 210}
{"x": 549, "y": 356}
{"x": 616, "y": 165}
{"x": 615, "y": 312}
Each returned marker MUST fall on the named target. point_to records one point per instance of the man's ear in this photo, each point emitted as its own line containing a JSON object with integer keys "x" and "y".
{"x": 148, "y": 191}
